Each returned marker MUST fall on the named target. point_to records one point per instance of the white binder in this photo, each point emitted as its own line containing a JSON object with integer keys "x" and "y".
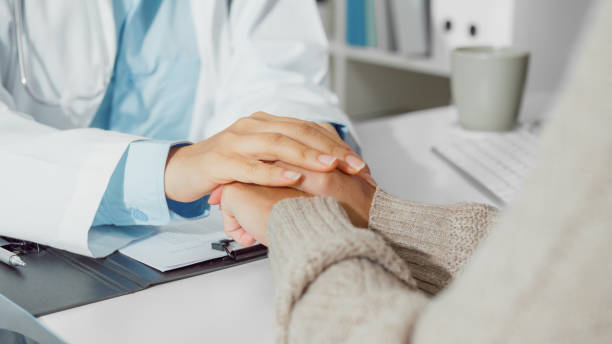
{"x": 410, "y": 20}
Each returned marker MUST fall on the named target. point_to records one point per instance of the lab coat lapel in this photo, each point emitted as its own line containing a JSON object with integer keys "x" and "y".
{"x": 209, "y": 18}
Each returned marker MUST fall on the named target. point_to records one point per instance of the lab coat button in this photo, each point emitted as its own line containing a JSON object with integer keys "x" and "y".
{"x": 139, "y": 215}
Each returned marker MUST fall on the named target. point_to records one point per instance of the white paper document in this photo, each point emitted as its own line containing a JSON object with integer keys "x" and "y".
{"x": 179, "y": 245}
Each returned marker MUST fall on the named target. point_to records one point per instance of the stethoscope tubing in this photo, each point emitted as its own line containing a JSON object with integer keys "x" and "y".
{"x": 24, "y": 76}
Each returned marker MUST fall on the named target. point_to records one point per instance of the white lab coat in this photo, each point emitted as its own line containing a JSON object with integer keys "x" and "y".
{"x": 268, "y": 55}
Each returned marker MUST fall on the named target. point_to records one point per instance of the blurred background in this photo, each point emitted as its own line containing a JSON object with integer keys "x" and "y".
{"x": 392, "y": 56}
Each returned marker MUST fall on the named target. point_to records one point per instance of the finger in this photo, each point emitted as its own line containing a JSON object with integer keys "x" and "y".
{"x": 321, "y": 184}
{"x": 315, "y": 136}
{"x": 230, "y": 224}
{"x": 331, "y": 133}
{"x": 277, "y": 147}
{"x": 215, "y": 196}
{"x": 327, "y": 126}
{"x": 328, "y": 131}
{"x": 234, "y": 230}
{"x": 263, "y": 119}
{"x": 244, "y": 238}
{"x": 252, "y": 171}
{"x": 349, "y": 162}
{"x": 332, "y": 130}
{"x": 241, "y": 236}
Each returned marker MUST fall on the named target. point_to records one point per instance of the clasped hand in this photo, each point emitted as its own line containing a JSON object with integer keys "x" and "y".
{"x": 262, "y": 159}
{"x": 240, "y": 152}
{"x": 246, "y": 208}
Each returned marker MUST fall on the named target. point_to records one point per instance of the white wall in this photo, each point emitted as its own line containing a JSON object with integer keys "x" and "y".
{"x": 550, "y": 30}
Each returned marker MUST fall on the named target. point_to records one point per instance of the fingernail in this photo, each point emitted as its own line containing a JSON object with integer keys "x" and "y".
{"x": 356, "y": 163}
{"x": 326, "y": 160}
{"x": 292, "y": 175}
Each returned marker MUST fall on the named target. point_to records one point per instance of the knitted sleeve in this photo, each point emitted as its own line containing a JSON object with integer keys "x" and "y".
{"x": 335, "y": 282}
{"x": 435, "y": 241}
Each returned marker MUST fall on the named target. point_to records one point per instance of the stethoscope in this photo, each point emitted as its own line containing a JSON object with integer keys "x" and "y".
{"x": 58, "y": 101}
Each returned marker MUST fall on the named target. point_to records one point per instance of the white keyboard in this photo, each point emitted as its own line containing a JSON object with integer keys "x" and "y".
{"x": 499, "y": 162}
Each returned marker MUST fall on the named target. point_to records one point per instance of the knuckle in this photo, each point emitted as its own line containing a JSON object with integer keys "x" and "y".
{"x": 267, "y": 172}
{"x": 245, "y": 123}
{"x": 228, "y": 136}
{"x": 306, "y": 130}
{"x": 258, "y": 114}
{"x": 260, "y": 172}
{"x": 303, "y": 154}
{"x": 240, "y": 121}
{"x": 276, "y": 138}
{"x": 339, "y": 151}
{"x": 327, "y": 126}
{"x": 252, "y": 168}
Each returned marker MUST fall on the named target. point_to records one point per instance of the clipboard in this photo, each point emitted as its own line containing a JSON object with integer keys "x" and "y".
{"x": 55, "y": 280}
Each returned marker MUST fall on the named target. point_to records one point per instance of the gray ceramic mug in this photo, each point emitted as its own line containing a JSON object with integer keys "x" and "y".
{"x": 487, "y": 86}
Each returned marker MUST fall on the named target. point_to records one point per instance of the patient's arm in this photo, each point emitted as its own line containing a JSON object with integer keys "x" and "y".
{"x": 337, "y": 283}
{"x": 436, "y": 241}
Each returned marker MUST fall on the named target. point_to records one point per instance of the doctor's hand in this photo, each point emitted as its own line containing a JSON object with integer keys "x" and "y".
{"x": 246, "y": 209}
{"x": 242, "y": 152}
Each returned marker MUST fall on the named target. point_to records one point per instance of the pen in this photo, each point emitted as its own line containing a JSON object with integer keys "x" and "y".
{"x": 10, "y": 258}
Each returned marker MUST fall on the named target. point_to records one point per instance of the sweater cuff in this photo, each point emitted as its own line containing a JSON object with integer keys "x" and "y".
{"x": 434, "y": 240}
{"x": 307, "y": 235}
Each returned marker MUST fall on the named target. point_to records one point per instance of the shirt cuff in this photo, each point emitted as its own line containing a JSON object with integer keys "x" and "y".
{"x": 135, "y": 194}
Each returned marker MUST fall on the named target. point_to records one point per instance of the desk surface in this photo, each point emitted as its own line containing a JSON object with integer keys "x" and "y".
{"x": 237, "y": 304}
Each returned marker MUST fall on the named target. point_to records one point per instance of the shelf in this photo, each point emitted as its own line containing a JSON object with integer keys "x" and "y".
{"x": 383, "y": 58}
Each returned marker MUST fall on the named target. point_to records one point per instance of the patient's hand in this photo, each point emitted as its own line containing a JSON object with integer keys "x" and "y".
{"x": 246, "y": 209}
{"x": 354, "y": 192}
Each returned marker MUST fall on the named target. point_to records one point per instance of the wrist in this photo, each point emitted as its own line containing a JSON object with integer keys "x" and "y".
{"x": 177, "y": 185}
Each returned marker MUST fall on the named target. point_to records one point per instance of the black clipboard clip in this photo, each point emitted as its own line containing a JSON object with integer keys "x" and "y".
{"x": 237, "y": 252}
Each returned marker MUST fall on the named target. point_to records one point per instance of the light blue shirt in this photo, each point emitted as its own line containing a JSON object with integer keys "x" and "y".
{"x": 151, "y": 94}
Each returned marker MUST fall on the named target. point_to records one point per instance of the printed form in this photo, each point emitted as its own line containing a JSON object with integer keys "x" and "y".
{"x": 179, "y": 245}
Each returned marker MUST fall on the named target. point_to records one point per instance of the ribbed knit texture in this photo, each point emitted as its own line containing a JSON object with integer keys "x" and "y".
{"x": 320, "y": 259}
{"x": 434, "y": 240}
{"x": 307, "y": 235}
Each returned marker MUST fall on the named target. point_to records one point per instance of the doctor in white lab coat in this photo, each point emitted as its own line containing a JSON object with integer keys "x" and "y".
{"x": 97, "y": 100}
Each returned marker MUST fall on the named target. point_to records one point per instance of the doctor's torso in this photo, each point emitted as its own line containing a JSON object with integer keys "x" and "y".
{"x": 124, "y": 65}
{"x": 67, "y": 49}
{"x": 218, "y": 64}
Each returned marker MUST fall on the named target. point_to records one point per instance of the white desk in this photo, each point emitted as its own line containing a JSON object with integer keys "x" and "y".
{"x": 236, "y": 304}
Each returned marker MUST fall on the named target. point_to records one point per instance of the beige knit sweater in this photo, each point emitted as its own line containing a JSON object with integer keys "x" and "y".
{"x": 542, "y": 275}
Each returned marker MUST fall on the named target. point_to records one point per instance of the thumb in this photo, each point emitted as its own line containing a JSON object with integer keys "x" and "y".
{"x": 234, "y": 230}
